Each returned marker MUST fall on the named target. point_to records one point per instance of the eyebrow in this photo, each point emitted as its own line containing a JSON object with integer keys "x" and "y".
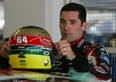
{"x": 69, "y": 20}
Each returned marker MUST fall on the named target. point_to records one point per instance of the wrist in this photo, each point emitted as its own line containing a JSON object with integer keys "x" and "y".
{"x": 72, "y": 57}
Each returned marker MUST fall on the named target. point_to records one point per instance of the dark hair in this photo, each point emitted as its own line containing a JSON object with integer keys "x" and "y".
{"x": 76, "y": 7}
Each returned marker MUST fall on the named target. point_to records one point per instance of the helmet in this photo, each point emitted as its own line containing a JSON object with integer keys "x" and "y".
{"x": 30, "y": 47}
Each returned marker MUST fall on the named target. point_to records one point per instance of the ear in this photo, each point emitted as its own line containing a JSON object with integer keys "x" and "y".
{"x": 84, "y": 26}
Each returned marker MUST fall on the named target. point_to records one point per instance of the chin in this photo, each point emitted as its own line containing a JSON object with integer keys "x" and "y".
{"x": 68, "y": 39}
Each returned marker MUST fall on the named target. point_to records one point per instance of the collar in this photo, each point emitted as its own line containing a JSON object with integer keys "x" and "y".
{"x": 79, "y": 41}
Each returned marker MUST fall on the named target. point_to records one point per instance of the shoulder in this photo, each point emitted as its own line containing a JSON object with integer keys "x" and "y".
{"x": 96, "y": 49}
{"x": 93, "y": 46}
{"x": 101, "y": 50}
{"x": 89, "y": 46}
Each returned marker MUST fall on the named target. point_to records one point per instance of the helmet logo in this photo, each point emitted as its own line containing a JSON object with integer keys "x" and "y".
{"x": 46, "y": 53}
{"x": 45, "y": 41}
{"x": 21, "y": 55}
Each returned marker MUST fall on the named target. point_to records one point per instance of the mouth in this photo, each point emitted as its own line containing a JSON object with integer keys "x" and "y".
{"x": 66, "y": 34}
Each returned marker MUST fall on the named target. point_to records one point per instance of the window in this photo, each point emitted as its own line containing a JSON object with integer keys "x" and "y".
{"x": 1, "y": 20}
{"x": 101, "y": 18}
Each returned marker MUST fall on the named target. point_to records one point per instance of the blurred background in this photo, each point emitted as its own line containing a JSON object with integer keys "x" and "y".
{"x": 2, "y": 21}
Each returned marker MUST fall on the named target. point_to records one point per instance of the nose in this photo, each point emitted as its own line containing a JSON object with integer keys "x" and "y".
{"x": 67, "y": 26}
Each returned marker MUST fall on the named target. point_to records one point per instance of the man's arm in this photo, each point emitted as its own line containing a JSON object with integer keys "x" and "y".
{"x": 100, "y": 65}
{"x": 4, "y": 63}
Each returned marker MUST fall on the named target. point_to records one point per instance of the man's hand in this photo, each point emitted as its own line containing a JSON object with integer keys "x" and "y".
{"x": 4, "y": 50}
{"x": 64, "y": 49}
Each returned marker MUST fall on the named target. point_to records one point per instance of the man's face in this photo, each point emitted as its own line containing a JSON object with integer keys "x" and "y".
{"x": 70, "y": 25}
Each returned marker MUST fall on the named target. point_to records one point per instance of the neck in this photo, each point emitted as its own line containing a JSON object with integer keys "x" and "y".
{"x": 77, "y": 40}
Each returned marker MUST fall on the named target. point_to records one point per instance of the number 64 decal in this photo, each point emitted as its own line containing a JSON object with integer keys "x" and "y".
{"x": 21, "y": 39}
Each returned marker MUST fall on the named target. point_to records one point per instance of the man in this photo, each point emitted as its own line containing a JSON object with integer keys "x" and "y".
{"x": 75, "y": 53}
{"x": 4, "y": 60}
